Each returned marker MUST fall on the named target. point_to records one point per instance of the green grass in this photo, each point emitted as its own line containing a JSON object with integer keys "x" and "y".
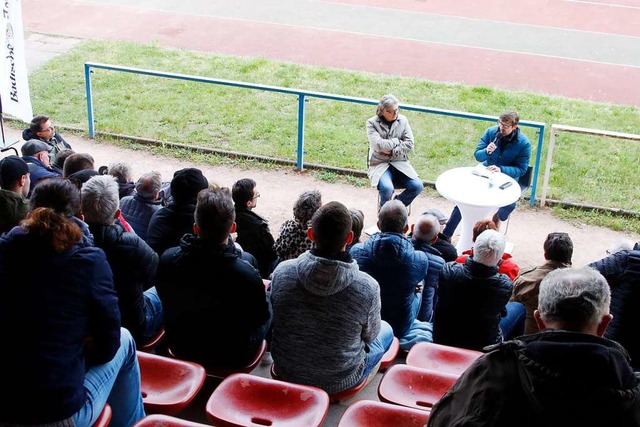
{"x": 587, "y": 169}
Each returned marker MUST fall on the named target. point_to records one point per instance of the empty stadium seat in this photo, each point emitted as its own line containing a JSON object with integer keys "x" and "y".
{"x": 369, "y": 413}
{"x": 390, "y": 355}
{"x": 250, "y": 400}
{"x": 105, "y": 417}
{"x": 444, "y": 358}
{"x": 161, "y": 420}
{"x": 153, "y": 342}
{"x": 414, "y": 387}
{"x": 168, "y": 385}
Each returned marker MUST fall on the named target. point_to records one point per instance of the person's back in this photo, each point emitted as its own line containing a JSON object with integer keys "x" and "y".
{"x": 622, "y": 271}
{"x": 326, "y": 312}
{"x": 169, "y": 223}
{"x": 472, "y": 297}
{"x": 216, "y": 309}
{"x": 58, "y": 310}
{"x": 292, "y": 239}
{"x": 565, "y": 375}
{"x": 132, "y": 261}
{"x": 139, "y": 207}
{"x": 389, "y": 257}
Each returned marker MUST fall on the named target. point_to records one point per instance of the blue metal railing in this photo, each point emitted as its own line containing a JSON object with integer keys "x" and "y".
{"x": 302, "y": 95}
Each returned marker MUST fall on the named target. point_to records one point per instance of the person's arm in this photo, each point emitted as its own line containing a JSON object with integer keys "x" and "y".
{"x": 372, "y": 328}
{"x": 377, "y": 143}
{"x": 406, "y": 144}
{"x": 481, "y": 154}
{"x": 520, "y": 163}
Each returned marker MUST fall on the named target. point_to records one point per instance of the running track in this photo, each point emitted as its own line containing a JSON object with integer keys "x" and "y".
{"x": 578, "y": 49}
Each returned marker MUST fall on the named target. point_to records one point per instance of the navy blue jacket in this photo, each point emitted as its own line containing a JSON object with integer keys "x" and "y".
{"x": 391, "y": 259}
{"x": 50, "y": 304}
{"x": 429, "y": 290}
{"x": 512, "y": 155}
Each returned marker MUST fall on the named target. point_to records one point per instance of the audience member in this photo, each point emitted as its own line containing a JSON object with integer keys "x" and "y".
{"x": 132, "y": 261}
{"x": 36, "y": 154}
{"x": 622, "y": 271}
{"x": 42, "y": 129}
{"x": 506, "y": 265}
{"x": 389, "y": 257}
{"x": 390, "y": 142}
{"x": 327, "y": 330}
{"x": 60, "y": 159}
{"x": 59, "y": 308}
{"x": 424, "y": 235}
{"x": 357, "y": 224}
{"x": 138, "y": 208}
{"x": 293, "y": 239}
{"x": 473, "y": 298}
{"x": 216, "y": 309}
{"x": 124, "y": 177}
{"x": 77, "y": 162}
{"x": 621, "y": 245}
{"x": 14, "y": 187}
{"x": 558, "y": 250}
{"x": 502, "y": 148}
{"x": 565, "y": 375}
{"x": 443, "y": 244}
{"x": 253, "y": 231}
{"x": 169, "y": 223}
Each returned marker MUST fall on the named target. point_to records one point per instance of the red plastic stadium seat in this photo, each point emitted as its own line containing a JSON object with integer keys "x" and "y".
{"x": 340, "y": 396}
{"x": 168, "y": 385}
{"x": 161, "y": 420}
{"x": 153, "y": 343}
{"x": 105, "y": 417}
{"x": 250, "y": 400}
{"x": 443, "y": 358}
{"x": 414, "y": 387}
{"x": 390, "y": 355}
{"x": 369, "y": 413}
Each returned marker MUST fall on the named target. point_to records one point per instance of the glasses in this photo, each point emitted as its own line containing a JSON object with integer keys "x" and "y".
{"x": 255, "y": 196}
{"x": 505, "y": 125}
{"x": 49, "y": 129}
{"x": 393, "y": 111}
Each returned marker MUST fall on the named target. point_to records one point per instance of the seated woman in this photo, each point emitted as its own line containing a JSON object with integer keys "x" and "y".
{"x": 293, "y": 239}
{"x": 505, "y": 265}
{"x": 390, "y": 142}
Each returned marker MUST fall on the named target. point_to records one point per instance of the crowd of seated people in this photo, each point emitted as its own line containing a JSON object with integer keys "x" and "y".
{"x": 196, "y": 265}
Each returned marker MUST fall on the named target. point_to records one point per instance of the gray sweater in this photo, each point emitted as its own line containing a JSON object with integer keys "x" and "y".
{"x": 325, "y": 311}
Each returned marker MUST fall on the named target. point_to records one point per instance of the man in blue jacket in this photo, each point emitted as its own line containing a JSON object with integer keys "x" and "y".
{"x": 502, "y": 148}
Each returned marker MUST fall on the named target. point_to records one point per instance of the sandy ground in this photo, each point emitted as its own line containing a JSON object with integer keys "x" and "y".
{"x": 279, "y": 189}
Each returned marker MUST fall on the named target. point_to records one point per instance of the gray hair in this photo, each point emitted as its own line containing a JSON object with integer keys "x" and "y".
{"x": 576, "y": 297}
{"x": 149, "y": 184}
{"x": 122, "y": 171}
{"x": 392, "y": 217}
{"x": 385, "y": 102}
{"x": 426, "y": 228}
{"x": 489, "y": 248}
{"x": 100, "y": 200}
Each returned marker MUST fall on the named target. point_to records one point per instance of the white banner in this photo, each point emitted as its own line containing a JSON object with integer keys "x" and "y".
{"x": 14, "y": 84}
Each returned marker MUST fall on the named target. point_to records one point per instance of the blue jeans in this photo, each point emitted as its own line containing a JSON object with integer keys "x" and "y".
{"x": 512, "y": 325}
{"x": 456, "y": 217}
{"x": 116, "y": 382}
{"x": 391, "y": 179}
{"x": 153, "y": 314}
{"x": 377, "y": 349}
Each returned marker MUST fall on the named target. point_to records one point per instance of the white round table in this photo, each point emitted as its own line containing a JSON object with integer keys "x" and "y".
{"x": 475, "y": 198}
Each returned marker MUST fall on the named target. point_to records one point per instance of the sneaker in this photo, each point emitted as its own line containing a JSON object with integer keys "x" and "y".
{"x": 266, "y": 359}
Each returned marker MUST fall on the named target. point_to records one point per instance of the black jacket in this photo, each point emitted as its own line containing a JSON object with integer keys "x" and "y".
{"x": 551, "y": 378}
{"x": 255, "y": 237}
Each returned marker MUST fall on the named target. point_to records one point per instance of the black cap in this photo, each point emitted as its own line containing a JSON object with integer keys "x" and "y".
{"x": 187, "y": 183}
{"x": 11, "y": 169}
{"x": 442, "y": 218}
{"x": 34, "y": 146}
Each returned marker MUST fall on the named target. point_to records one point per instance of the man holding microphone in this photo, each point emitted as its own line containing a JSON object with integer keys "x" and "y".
{"x": 502, "y": 148}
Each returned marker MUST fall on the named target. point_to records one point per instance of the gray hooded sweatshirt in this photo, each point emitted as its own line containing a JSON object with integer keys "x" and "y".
{"x": 325, "y": 313}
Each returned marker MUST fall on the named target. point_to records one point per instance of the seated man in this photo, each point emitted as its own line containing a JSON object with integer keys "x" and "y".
{"x": 132, "y": 261}
{"x": 443, "y": 243}
{"x": 14, "y": 187}
{"x": 558, "y": 249}
{"x": 502, "y": 148}
{"x": 472, "y": 310}
{"x": 389, "y": 257}
{"x": 424, "y": 235}
{"x": 327, "y": 330}
{"x": 565, "y": 375}
{"x": 216, "y": 309}
{"x": 253, "y": 231}
{"x": 622, "y": 271}
{"x": 42, "y": 129}
{"x": 36, "y": 154}
{"x": 138, "y": 208}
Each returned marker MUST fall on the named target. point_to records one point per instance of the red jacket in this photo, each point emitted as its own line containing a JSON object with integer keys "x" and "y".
{"x": 505, "y": 265}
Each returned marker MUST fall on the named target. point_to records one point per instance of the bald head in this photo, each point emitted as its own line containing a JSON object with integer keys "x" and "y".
{"x": 426, "y": 229}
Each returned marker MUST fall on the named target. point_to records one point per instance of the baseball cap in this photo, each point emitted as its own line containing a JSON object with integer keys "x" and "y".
{"x": 34, "y": 146}
{"x": 442, "y": 218}
{"x": 187, "y": 183}
{"x": 11, "y": 169}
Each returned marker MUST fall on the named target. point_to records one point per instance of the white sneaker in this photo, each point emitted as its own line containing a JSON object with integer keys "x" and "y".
{"x": 266, "y": 359}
